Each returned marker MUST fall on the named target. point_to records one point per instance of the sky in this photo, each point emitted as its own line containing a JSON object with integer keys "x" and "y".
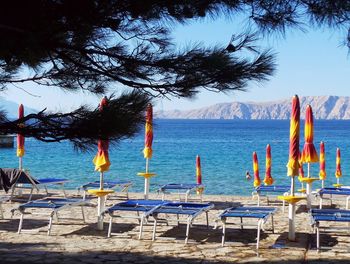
{"x": 308, "y": 63}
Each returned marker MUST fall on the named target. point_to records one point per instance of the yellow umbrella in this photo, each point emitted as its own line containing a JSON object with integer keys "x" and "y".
{"x": 257, "y": 181}
{"x": 322, "y": 173}
{"x": 268, "y": 180}
{"x": 338, "y": 172}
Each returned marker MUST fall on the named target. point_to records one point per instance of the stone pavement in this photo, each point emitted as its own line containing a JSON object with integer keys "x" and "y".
{"x": 73, "y": 241}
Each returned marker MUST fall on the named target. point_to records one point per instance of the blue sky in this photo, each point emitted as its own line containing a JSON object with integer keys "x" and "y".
{"x": 311, "y": 63}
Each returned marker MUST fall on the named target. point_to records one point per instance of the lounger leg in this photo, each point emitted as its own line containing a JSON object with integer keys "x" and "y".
{"x": 50, "y": 225}
{"x": 186, "y": 196}
{"x": 84, "y": 195}
{"x": 20, "y": 223}
{"x": 83, "y": 213}
{"x": 177, "y": 219}
{"x": 207, "y": 218}
{"x": 56, "y": 215}
{"x": 31, "y": 194}
{"x": 241, "y": 223}
{"x": 258, "y": 235}
{"x": 321, "y": 201}
{"x": 273, "y": 226}
{"x": 110, "y": 227}
{"x": 47, "y": 192}
{"x": 1, "y": 212}
{"x": 154, "y": 228}
{"x": 187, "y": 230}
{"x": 163, "y": 196}
{"x": 347, "y": 202}
{"x": 141, "y": 227}
{"x": 64, "y": 191}
{"x": 283, "y": 205}
{"x": 317, "y": 237}
{"x": 223, "y": 232}
{"x": 258, "y": 199}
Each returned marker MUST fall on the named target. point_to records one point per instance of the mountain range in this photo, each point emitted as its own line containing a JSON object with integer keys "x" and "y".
{"x": 11, "y": 108}
{"x": 324, "y": 107}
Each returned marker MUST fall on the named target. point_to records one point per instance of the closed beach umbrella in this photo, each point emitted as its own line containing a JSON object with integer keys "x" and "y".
{"x": 198, "y": 170}
{"x": 301, "y": 168}
{"x": 102, "y": 164}
{"x": 20, "y": 138}
{"x": 338, "y": 172}
{"x": 309, "y": 153}
{"x": 147, "y": 151}
{"x": 257, "y": 181}
{"x": 293, "y": 161}
{"x": 322, "y": 173}
{"x": 101, "y": 159}
{"x": 268, "y": 180}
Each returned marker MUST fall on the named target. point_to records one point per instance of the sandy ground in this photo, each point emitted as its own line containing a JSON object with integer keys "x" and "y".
{"x": 73, "y": 241}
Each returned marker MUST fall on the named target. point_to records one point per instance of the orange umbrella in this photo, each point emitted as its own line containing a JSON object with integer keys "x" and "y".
{"x": 322, "y": 173}
{"x": 20, "y": 138}
{"x": 268, "y": 178}
{"x": 293, "y": 161}
{"x": 198, "y": 170}
{"x": 338, "y": 172}
{"x": 101, "y": 159}
{"x": 257, "y": 181}
{"x": 309, "y": 153}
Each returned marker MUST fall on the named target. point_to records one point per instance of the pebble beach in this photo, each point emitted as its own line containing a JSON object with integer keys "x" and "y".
{"x": 73, "y": 241}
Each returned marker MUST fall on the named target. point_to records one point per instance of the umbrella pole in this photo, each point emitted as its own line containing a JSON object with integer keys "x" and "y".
{"x": 322, "y": 183}
{"x": 146, "y": 181}
{"x": 100, "y": 205}
{"x": 308, "y": 188}
{"x": 291, "y": 215}
{"x": 20, "y": 163}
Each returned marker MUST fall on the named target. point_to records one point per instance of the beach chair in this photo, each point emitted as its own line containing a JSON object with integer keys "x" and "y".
{"x": 329, "y": 215}
{"x": 51, "y": 207}
{"x": 16, "y": 180}
{"x": 329, "y": 193}
{"x": 190, "y": 210}
{"x": 122, "y": 185}
{"x": 261, "y": 214}
{"x": 179, "y": 188}
{"x": 269, "y": 191}
{"x": 142, "y": 208}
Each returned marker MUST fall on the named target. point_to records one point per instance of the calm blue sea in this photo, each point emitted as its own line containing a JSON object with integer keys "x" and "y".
{"x": 225, "y": 147}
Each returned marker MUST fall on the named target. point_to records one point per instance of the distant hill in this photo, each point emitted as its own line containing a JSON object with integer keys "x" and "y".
{"x": 11, "y": 108}
{"x": 324, "y": 107}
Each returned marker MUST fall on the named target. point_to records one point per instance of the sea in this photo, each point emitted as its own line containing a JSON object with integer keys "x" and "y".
{"x": 224, "y": 146}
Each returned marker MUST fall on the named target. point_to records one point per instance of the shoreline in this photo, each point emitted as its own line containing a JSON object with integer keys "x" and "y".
{"x": 73, "y": 241}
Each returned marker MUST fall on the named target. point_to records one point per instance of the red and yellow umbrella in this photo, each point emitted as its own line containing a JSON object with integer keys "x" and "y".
{"x": 309, "y": 153}
{"x": 301, "y": 169}
{"x": 198, "y": 170}
{"x": 294, "y": 133}
{"x": 101, "y": 159}
{"x": 322, "y": 173}
{"x": 268, "y": 180}
{"x": 257, "y": 181}
{"x": 20, "y": 138}
{"x": 338, "y": 172}
{"x": 147, "y": 151}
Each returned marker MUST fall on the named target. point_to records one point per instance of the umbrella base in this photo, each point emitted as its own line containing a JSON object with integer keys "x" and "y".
{"x": 100, "y": 193}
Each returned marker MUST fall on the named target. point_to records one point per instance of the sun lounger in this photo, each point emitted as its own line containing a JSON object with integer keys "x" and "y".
{"x": 190, "y": 210}
{"x": 123, "y": 185}
{"x": 271, "y": 190}
{"x": 331, "y": 192}
{"x": 180, "y": 188}
{"x": 50, "y": 206}
{"x": 261, "y": 214}
{"x": 328, "y": 215}
{"x": 142, "y": 208}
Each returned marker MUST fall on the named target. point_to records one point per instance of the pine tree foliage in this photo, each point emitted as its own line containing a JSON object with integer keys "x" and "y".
{"x": 93, "y": 45}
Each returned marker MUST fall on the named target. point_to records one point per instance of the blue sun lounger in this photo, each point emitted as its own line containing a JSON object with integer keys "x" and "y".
{"x": 51, "y": 206}
{"x": 261, "y": 214}
{"x": 271, "y": 190}
{"x": 180, "y": 188}
{"x": 190, "y": 210}
{"x": 142, "y": 208}
{"x": 123, "y": 185}
{"x": 334, "y": 192}
{"x": 328, "y": 215}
